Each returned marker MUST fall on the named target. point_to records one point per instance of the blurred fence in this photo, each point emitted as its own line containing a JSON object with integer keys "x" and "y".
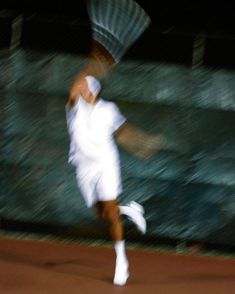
{"x": 188, "y": 191}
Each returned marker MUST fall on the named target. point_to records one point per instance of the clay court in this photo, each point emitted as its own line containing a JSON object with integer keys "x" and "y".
{"x": 31, "y": 266}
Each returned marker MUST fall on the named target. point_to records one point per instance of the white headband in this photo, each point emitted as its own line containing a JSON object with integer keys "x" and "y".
{"x": 93, "y": 84}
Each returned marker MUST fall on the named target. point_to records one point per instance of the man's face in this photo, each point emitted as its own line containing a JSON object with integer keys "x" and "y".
{"x": 87, "y": 94}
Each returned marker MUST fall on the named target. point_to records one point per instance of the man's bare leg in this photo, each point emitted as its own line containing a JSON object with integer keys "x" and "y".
{"x": 109, "y": 211}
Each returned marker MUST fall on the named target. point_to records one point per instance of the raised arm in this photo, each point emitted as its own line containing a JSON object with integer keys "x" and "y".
{"x": 99, "y": 64}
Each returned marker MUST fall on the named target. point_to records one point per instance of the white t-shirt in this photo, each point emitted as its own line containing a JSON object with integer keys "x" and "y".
{"x": 91, "y": 129}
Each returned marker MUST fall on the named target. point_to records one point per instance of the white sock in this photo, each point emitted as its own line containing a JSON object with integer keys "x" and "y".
{"x": 120, "y": 250}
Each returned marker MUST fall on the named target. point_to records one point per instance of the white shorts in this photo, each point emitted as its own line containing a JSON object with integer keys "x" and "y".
{"x": 99, "y": 184}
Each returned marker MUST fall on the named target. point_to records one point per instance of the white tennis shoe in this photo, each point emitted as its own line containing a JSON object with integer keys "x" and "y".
{"x": 121, "y": 272}
{"x": 137, "y": 216}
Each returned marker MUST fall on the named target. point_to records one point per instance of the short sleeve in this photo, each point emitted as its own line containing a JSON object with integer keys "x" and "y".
{"x": 117, "y": 118}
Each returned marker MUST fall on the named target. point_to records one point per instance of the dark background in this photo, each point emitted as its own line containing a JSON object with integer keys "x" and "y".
{"x": 59, "y": 25}
{"x": 209, "y": 14}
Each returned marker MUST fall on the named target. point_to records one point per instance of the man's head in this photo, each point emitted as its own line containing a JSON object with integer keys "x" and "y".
{"x": 91, "y": 89}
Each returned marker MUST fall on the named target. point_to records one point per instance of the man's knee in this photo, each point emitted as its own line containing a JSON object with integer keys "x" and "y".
{"x": 111, "y": 212}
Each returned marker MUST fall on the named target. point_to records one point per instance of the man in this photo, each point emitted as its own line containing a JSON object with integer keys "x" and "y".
{"x": 93, "y": 126}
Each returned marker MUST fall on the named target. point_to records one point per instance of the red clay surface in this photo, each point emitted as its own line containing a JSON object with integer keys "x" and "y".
{"x": 49, "y": 267}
